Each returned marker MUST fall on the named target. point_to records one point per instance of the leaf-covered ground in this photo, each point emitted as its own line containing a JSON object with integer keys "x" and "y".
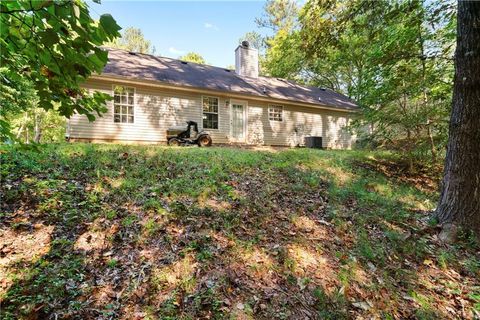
{"x": 145, "y": 232}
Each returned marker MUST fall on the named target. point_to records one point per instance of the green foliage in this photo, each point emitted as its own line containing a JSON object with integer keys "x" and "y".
{"x": 38, "y": 125}
{"x": 132, "y": 39}
{"x": 255, "y": 40}
{"x": 278, "y": 14}
{"x": 394, "y": 58}
{"x": 475, "y": 296}
{"x": 151, "y": 227}
{"x": 193, "y": 57}
{"x": 284, "y": 48}
{"x": 16, "y": 95}
{"x": 112, "y": 263}
{"x": 54, "y": 278}
{"x": 129, "y": 220}
{"x": 472, "y": 264}
{"x": 281, "y": 17}
{"x": 23, "y": 120}
{"x": 330, "y": 307}
{"x": 52, "y": 47}
{"x": 110, "y": 214}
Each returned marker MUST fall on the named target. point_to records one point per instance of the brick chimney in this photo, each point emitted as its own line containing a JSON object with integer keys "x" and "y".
{"x": 246, "y": 60}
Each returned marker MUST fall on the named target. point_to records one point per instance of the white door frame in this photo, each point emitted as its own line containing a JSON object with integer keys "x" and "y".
{"x": 244, "y": 103}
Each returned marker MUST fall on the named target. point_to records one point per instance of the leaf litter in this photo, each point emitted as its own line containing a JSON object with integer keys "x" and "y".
{"x": 262, "y": 238}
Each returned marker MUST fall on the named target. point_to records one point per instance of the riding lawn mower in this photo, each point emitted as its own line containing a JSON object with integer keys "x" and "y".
{"x": 181, "y": 136}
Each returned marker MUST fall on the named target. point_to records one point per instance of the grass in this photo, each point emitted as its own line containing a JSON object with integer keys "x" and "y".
{"x": 114, "y": 231}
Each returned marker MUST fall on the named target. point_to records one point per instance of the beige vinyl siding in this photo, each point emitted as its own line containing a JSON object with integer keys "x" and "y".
{"x": 299, "y": 122}
{"x": 157, "y": 109}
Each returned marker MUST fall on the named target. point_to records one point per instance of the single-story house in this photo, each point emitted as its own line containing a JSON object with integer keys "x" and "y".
{"x": 154, "y": 93}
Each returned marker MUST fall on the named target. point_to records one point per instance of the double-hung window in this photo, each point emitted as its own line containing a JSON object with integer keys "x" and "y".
{"x": 210, "y": 112}
{"x": 123, "y": 104}
{"x": 275, "y": 113}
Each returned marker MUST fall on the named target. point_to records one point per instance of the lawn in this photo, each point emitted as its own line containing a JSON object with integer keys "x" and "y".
{"x": 146, "y": 232}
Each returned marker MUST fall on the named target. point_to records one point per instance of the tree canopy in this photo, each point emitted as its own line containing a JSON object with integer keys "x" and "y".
{"x": 393, "y": 57}
{"x": 132, "y": 39}
{"x": 255, "y": 40}
{"x": 51, "y": 48}
{"x": 278, "y": 14}
{"x": 193, "y": 57}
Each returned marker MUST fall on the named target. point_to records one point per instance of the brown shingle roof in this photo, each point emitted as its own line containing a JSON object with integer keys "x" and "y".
{"x": 170, "y": 71}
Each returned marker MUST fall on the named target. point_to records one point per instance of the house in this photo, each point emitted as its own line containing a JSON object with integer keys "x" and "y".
{"x": 153, "y": 93}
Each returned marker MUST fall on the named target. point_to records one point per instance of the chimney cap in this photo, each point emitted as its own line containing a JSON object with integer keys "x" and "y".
{"x": 245, "y": 44}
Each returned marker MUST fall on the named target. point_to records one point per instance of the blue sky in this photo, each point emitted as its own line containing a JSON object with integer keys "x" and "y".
{"x": 211, "y": 29}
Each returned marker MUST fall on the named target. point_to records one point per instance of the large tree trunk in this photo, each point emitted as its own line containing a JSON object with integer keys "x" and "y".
{"x": 459, "y": 203}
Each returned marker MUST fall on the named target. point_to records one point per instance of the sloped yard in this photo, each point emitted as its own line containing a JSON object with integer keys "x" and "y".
{"x": 124, "y": 232}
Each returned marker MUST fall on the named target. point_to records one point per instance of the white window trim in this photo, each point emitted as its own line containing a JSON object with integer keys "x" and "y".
{"x": 275, "y": 106}
{"x": 134, "y": 104}
{"x": 218, "y": 112}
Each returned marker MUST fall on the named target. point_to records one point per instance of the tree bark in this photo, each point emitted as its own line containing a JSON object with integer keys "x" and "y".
{"x": 433, "y": 148}
{"x": 38, "y": 129}
{"x": 459, "y": 203}
{"x": 424, "y": 87}
{"x": 20, "y": 130}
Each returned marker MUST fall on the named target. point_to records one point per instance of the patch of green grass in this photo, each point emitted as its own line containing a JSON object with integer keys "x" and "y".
{"x": 209, "y": 297}
{"x": 168, "y": 309}
{"x": 129, "y": 220}
{"x": 475, "y": 296}
{"x": 370, "y": 250}
{"x": 197, "y": 211}
{"x": 110, "y": 214}
{"x": 445, "y": 258}
{"x": 330, "y": 307}
{"x": 153, "y": 204}
{"x": 201, "y": 247}
{"x": 426, "y": 311}
{"x": 472, "y": 264}
{"x": 112, "y": 263}
{"x": 151, "y": 227}
{"x": 345, "y": 275}
{"x": 53, "y": 279}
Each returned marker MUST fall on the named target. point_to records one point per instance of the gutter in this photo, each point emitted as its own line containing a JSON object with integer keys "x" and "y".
{"x": 228, "y": 94}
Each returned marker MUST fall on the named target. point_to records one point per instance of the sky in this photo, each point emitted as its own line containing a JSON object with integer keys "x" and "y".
{"x": 211, "y": 29}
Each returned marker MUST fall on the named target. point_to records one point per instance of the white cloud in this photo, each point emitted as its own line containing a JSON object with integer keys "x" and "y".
{"x": 209, "y": 25}
{"x": 175, "y": 51}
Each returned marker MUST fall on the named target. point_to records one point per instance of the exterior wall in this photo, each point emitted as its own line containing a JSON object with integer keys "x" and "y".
{"x": 158, "y": 109}
{"x": 155, "y": 111}
{"x": 298, "y": 123}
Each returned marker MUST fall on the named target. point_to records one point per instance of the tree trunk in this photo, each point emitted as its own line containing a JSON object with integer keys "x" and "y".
{"x": 424, "y": 87}
{"x": 38, "y": 130}
{"x": 433, "y": 149}
{"x": 409, "y": 150}
{"x": 20, "y": 130}
{"x": 459, "y": 203}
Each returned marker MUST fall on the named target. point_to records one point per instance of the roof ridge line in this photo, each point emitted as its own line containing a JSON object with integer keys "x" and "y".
{"x": 203, "y": 64}
{"x": 163, "y": 57}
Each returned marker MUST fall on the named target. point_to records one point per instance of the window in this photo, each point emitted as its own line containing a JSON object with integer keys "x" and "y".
{"x": 123, "y": 104}
{"x": 210, "y": 112}
{"x": 275, "y": 113}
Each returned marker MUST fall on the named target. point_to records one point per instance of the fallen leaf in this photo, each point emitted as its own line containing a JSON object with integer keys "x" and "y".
{"x": 427, "y": 262}
{"x": 361, "y": 305}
